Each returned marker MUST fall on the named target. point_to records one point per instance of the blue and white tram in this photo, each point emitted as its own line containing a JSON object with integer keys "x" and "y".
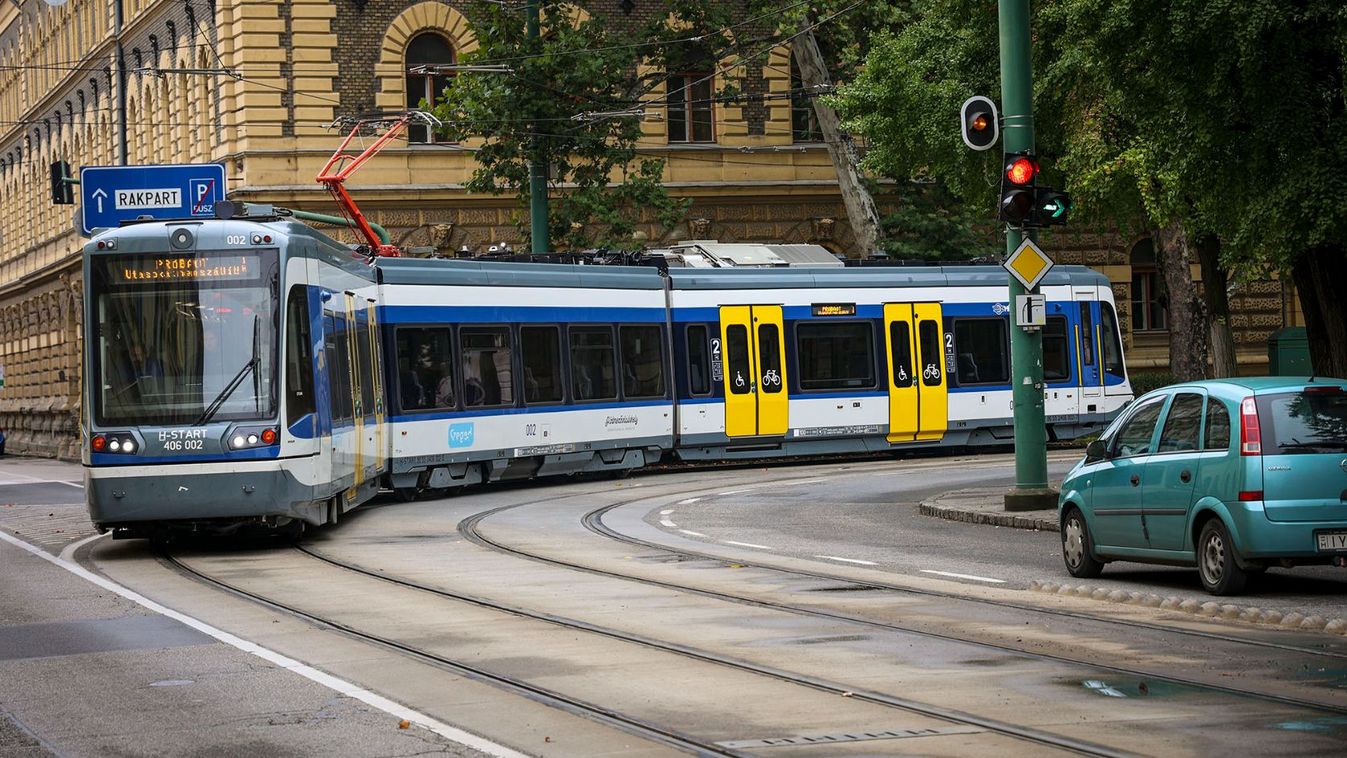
{"x": 232, "y": 375}
{"x": 253, "y": 371}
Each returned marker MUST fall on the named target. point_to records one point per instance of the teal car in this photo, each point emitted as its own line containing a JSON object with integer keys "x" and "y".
{"x": 1231, "y": 476}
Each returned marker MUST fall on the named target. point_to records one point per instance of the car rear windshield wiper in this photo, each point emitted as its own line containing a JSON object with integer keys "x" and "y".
{"x": 1321, "y": 446}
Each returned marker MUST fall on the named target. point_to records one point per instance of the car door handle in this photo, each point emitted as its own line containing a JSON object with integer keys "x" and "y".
{"x": 1136, "y": 480}
{"x": 1185, "y": 476}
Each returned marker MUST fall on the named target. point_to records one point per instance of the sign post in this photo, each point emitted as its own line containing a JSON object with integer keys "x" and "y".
{"x": 1031, "y": 491}
{"x": 113, "y": 194}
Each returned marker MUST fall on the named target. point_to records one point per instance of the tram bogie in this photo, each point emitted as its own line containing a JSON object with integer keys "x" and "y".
{"x": 254, "y": 371}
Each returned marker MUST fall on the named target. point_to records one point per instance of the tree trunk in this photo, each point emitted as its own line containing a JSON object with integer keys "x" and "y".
{"x": 1318, "y": 274}
{"x": 861, "y": 210}
{"x": 1189, "y": 341}
{"x": 1214, "y": 294}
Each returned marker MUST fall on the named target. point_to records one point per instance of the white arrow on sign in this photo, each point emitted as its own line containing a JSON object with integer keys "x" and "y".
{"x": 98, "y": 195}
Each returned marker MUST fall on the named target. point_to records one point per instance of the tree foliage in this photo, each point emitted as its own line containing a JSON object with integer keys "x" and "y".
{"x": 571, "y": 100}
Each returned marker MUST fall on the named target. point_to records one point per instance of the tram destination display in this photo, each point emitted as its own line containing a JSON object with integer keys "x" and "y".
{"x": 192, "y": 267}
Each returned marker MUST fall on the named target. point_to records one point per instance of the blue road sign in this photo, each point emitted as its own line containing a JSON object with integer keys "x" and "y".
{"x": 113, "y": 194}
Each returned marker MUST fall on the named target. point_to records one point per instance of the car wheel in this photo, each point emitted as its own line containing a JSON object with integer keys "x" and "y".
{"x": 1216, "y": 564}
{"x": 1077, "y": 547}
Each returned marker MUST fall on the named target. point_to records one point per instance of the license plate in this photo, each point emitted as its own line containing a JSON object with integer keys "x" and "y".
{"x": 1332, "y": 541}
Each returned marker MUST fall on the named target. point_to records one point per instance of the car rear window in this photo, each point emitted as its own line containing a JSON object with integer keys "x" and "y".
{"x": 1313, "y": 420}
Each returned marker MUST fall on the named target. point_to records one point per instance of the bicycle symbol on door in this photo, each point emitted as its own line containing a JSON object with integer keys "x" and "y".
{"x": 771, "y": 379}
{"x": 931, "y": 373}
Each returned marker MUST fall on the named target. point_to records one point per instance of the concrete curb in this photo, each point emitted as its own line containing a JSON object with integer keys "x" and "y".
{"x": 1208, "y": 609}
{"x": 941, "y": 507}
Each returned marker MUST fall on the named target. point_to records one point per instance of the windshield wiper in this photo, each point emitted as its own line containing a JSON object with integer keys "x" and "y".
{"x": 220, "y": 399}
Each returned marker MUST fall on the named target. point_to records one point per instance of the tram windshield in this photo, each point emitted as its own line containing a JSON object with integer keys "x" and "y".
{"x": 183, "y": 338}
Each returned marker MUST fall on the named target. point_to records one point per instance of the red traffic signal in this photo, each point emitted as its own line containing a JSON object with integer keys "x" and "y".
{"x": 1021, "y": 170}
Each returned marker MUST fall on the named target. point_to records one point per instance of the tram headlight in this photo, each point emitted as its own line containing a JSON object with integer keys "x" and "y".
{"x": 114, "y": 444}
{"x": 129, "y": 446}
{"x": 238, "y": 441}
{"x": 252, "y": 439}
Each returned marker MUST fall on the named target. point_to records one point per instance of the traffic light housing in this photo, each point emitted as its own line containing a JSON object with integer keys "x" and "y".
{"x": 1050, "y": 207}
{"x": 62, "y": 191}
{"x": 1018, "y": 188}
{"x": 980, "y": 126}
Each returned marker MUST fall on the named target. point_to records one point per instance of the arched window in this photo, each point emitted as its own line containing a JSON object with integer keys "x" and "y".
{"x": 1150, "y": 304}
{"x": 803, "y": 123}
{"x": 427, "y": 49}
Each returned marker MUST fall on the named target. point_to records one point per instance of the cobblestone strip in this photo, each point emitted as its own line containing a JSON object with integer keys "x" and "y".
{"x": 1209, "y": 609}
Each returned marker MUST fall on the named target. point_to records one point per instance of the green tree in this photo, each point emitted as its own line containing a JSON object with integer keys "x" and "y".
{"x": 570, "y": 99}
{"x": 1231, "y": 111}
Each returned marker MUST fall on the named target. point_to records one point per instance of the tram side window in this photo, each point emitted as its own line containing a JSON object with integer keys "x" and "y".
{"x": 488, "y": 374}
{"x": 338, "y": 366}
{"x": 592, "y": 359}
{"x": 1112, "y": 347}
{"x": 365, "y": 366}
{"x": 642, "y": 361}
{"x": 541, "y": 348}
{"x": 1086, "y": 335}
{"x": 901, "y": 337}
{"x": 699, "y": 361}
{"x": 298, "y": 357}
{"x": 835, "y": 356}
{"x": 425, "y": 368}
{"x": 736, "y": 357}
{"x": 982, "y": 351}
{"x": 1056, "y": 350}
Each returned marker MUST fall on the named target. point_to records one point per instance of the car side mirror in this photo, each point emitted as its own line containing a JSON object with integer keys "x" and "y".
{"x": 1097, "y": 450}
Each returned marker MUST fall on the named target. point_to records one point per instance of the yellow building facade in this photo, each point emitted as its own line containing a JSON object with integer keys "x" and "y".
{"x": 256, "y": 84}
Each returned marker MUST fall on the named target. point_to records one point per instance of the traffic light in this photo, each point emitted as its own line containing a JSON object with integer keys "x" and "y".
{"x": 62, "y": 191}
{"x": 1018, "y": 191}
{"x": 978, "y": 119}
{"x": 1050, "y": 207}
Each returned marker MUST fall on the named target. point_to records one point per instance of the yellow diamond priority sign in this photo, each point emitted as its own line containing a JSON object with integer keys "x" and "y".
{"x": 1029, "y": 264}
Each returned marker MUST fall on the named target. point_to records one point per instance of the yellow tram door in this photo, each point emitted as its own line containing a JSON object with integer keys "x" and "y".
{"x": 918, "y": 387}
{"x": 354, "y": 371}
{"x": 933, "y": 380}
{"x": 376, "y": 379}
{"x": 756, "y": 400}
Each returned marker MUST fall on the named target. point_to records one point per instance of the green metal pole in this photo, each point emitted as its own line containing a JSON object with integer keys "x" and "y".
{"x": 537, "y": 171}
{"x": 1026, "y": 347}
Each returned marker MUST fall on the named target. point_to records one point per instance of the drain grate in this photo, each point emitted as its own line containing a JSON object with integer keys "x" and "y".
{"x": 821, "y": 739}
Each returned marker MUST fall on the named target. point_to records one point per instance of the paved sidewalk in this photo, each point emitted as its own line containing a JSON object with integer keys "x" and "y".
{"x": 984, "y": 505}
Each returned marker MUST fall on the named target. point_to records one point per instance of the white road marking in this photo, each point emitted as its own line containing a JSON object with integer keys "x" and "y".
{"x": 965, "y": 576}
{"x": 694, "y": 534}
{"x": 327, "y": 680}
{"x": 847, "y": 560}
{"x": 36, "y": 480}
{"x": 747, "y": 544}
{"x": 736, "y": 492}
{"x": 666, "y": 511}
{"x": 668, "y": 523}
{"x": 689, "y": 501}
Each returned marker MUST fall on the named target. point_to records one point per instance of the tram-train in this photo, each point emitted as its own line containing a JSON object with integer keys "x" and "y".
{"x": 255, "y": 371}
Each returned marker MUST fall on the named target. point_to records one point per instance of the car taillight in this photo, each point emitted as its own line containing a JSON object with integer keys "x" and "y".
{"x": 1250, "y": 437}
